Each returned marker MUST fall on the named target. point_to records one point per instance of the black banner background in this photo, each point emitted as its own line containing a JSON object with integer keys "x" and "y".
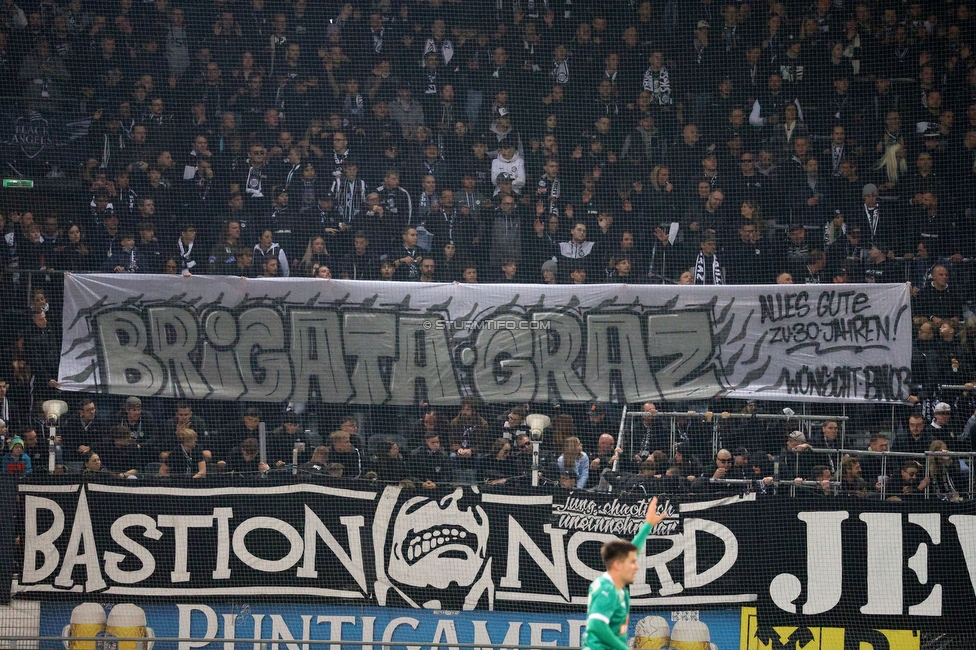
{"x": 874, "y": 565}
{"x": 466, "y": 549}
{"x": 865, "y": 584}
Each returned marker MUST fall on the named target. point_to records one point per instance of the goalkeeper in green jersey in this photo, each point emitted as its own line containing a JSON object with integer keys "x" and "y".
{"x": 608, "y": 611}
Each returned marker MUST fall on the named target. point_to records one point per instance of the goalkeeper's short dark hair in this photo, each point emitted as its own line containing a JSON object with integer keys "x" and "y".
{"x": 615, "y": 550}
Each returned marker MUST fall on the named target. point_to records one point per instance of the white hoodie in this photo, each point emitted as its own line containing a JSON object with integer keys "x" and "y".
{"x": 515, "y": 167}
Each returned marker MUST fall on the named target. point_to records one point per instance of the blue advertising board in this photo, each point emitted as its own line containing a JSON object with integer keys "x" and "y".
{"x": 285, "y": 626}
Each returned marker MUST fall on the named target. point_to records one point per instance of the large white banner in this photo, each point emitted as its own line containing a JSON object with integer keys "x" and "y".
{"x": 341, "y": 341}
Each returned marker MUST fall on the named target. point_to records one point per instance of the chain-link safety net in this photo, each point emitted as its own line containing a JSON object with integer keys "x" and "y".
{"x": 369, "y": 322}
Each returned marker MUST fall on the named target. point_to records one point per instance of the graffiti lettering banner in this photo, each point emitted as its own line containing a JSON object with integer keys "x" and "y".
{"x": 356, "y": 543}
{"x": 398, "y": 343}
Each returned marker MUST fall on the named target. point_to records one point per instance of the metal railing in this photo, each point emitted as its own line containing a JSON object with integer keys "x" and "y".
{"x": 716, "y": 418}
{"x": 904, "y": 454}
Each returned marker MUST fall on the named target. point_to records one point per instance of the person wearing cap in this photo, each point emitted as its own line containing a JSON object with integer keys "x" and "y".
{"x": 141, "y": 422}
{"x": 702, "y": 59}
{"x": 941, "y": 428}
{"x": 878, "y": 227}
{"x": 795, "y": 460}
{"x": 16, "y": 461}
{"x": 568, "y": 479}
{"x": 593, "y": 424}
{"x": 550, "y": 270}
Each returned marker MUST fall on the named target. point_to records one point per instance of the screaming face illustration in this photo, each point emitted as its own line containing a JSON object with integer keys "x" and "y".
{"x": 438, "y": 543}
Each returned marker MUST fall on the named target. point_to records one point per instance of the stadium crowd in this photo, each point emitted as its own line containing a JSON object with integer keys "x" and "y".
{"x": 543, "y": 141}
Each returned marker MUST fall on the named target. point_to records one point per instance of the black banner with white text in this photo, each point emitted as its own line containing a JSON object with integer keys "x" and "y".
{"x": 460, "y": 549}
{"x": 832, "y": 563}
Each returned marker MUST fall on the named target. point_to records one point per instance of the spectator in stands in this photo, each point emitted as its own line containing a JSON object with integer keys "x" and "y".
{"x": 42, "y": 351}
{"x": 80, "y": 433}
{"x": 126, "y": 258}
{"x": 319, "y": 462}
{"x": 568, "y": 480}
{"x": 514, "y": 422}
{"x": 223, "y": 257}
{"x": 946, "y": 479}
{"x": 684, "y": 464}
{"x": 573, "y": 457}
{"x": 245, "y": 459}
{"x": 909, "y": 482}
{"x": 141, "y": 423}
{"x": 941, "y": 428}
{"x": 938, "y": 301}
{"x": 828, "y": 436}
{"x": 851, "y": 482}
{"x": 795, "y": 459}
{"x": 390, "y": 466}
{"x": 606, "y": 454}
{"x": 651, "y": 435}
{"x": 248, "y": 427}
{"x": 429, "y": 463}
{"x": 824, "y": 478}
{"x": 94, "y": 468}
{"x": 469, "y": 432}
{"x": 343, "y": 452}
{"x": 595, "y": 424}
{"x": 430, "y": 422}
{"x": 120, "y": 454}
{"x": 871, "y": 466}
{"x": 919, "y": 435}
{"x": 290, "y": 436}
{"x": 16, "y": 461}
{"x": 267, "y": 249}
{"x": 185, "y": 459}
{"x": 38, "y": 450}
{"x": 721, "y": 468}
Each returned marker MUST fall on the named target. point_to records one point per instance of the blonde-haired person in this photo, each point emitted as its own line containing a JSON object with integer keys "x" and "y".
{"x": 574, "y": 458}
{"x": 185, "y": 459}
{"x": 315, "y": 255}
{"x": 892, "y": 166}
{"x": 944, "y": 474}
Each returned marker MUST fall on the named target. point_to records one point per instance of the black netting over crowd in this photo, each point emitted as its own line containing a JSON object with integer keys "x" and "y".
{"x": 533, "y": 141}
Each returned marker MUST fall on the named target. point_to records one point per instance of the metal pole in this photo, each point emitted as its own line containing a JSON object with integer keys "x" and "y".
{"x": 263, "y": 440}
{"x": 535, "y": 463}
{"x": 620, "y": 437}
{"x": 884, "y": 476}
{"x": 52, "y": 461}
{"x": 927, "y": 476}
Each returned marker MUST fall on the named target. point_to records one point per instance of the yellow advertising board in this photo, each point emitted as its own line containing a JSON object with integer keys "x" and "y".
{"x": 756, "y": 637}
